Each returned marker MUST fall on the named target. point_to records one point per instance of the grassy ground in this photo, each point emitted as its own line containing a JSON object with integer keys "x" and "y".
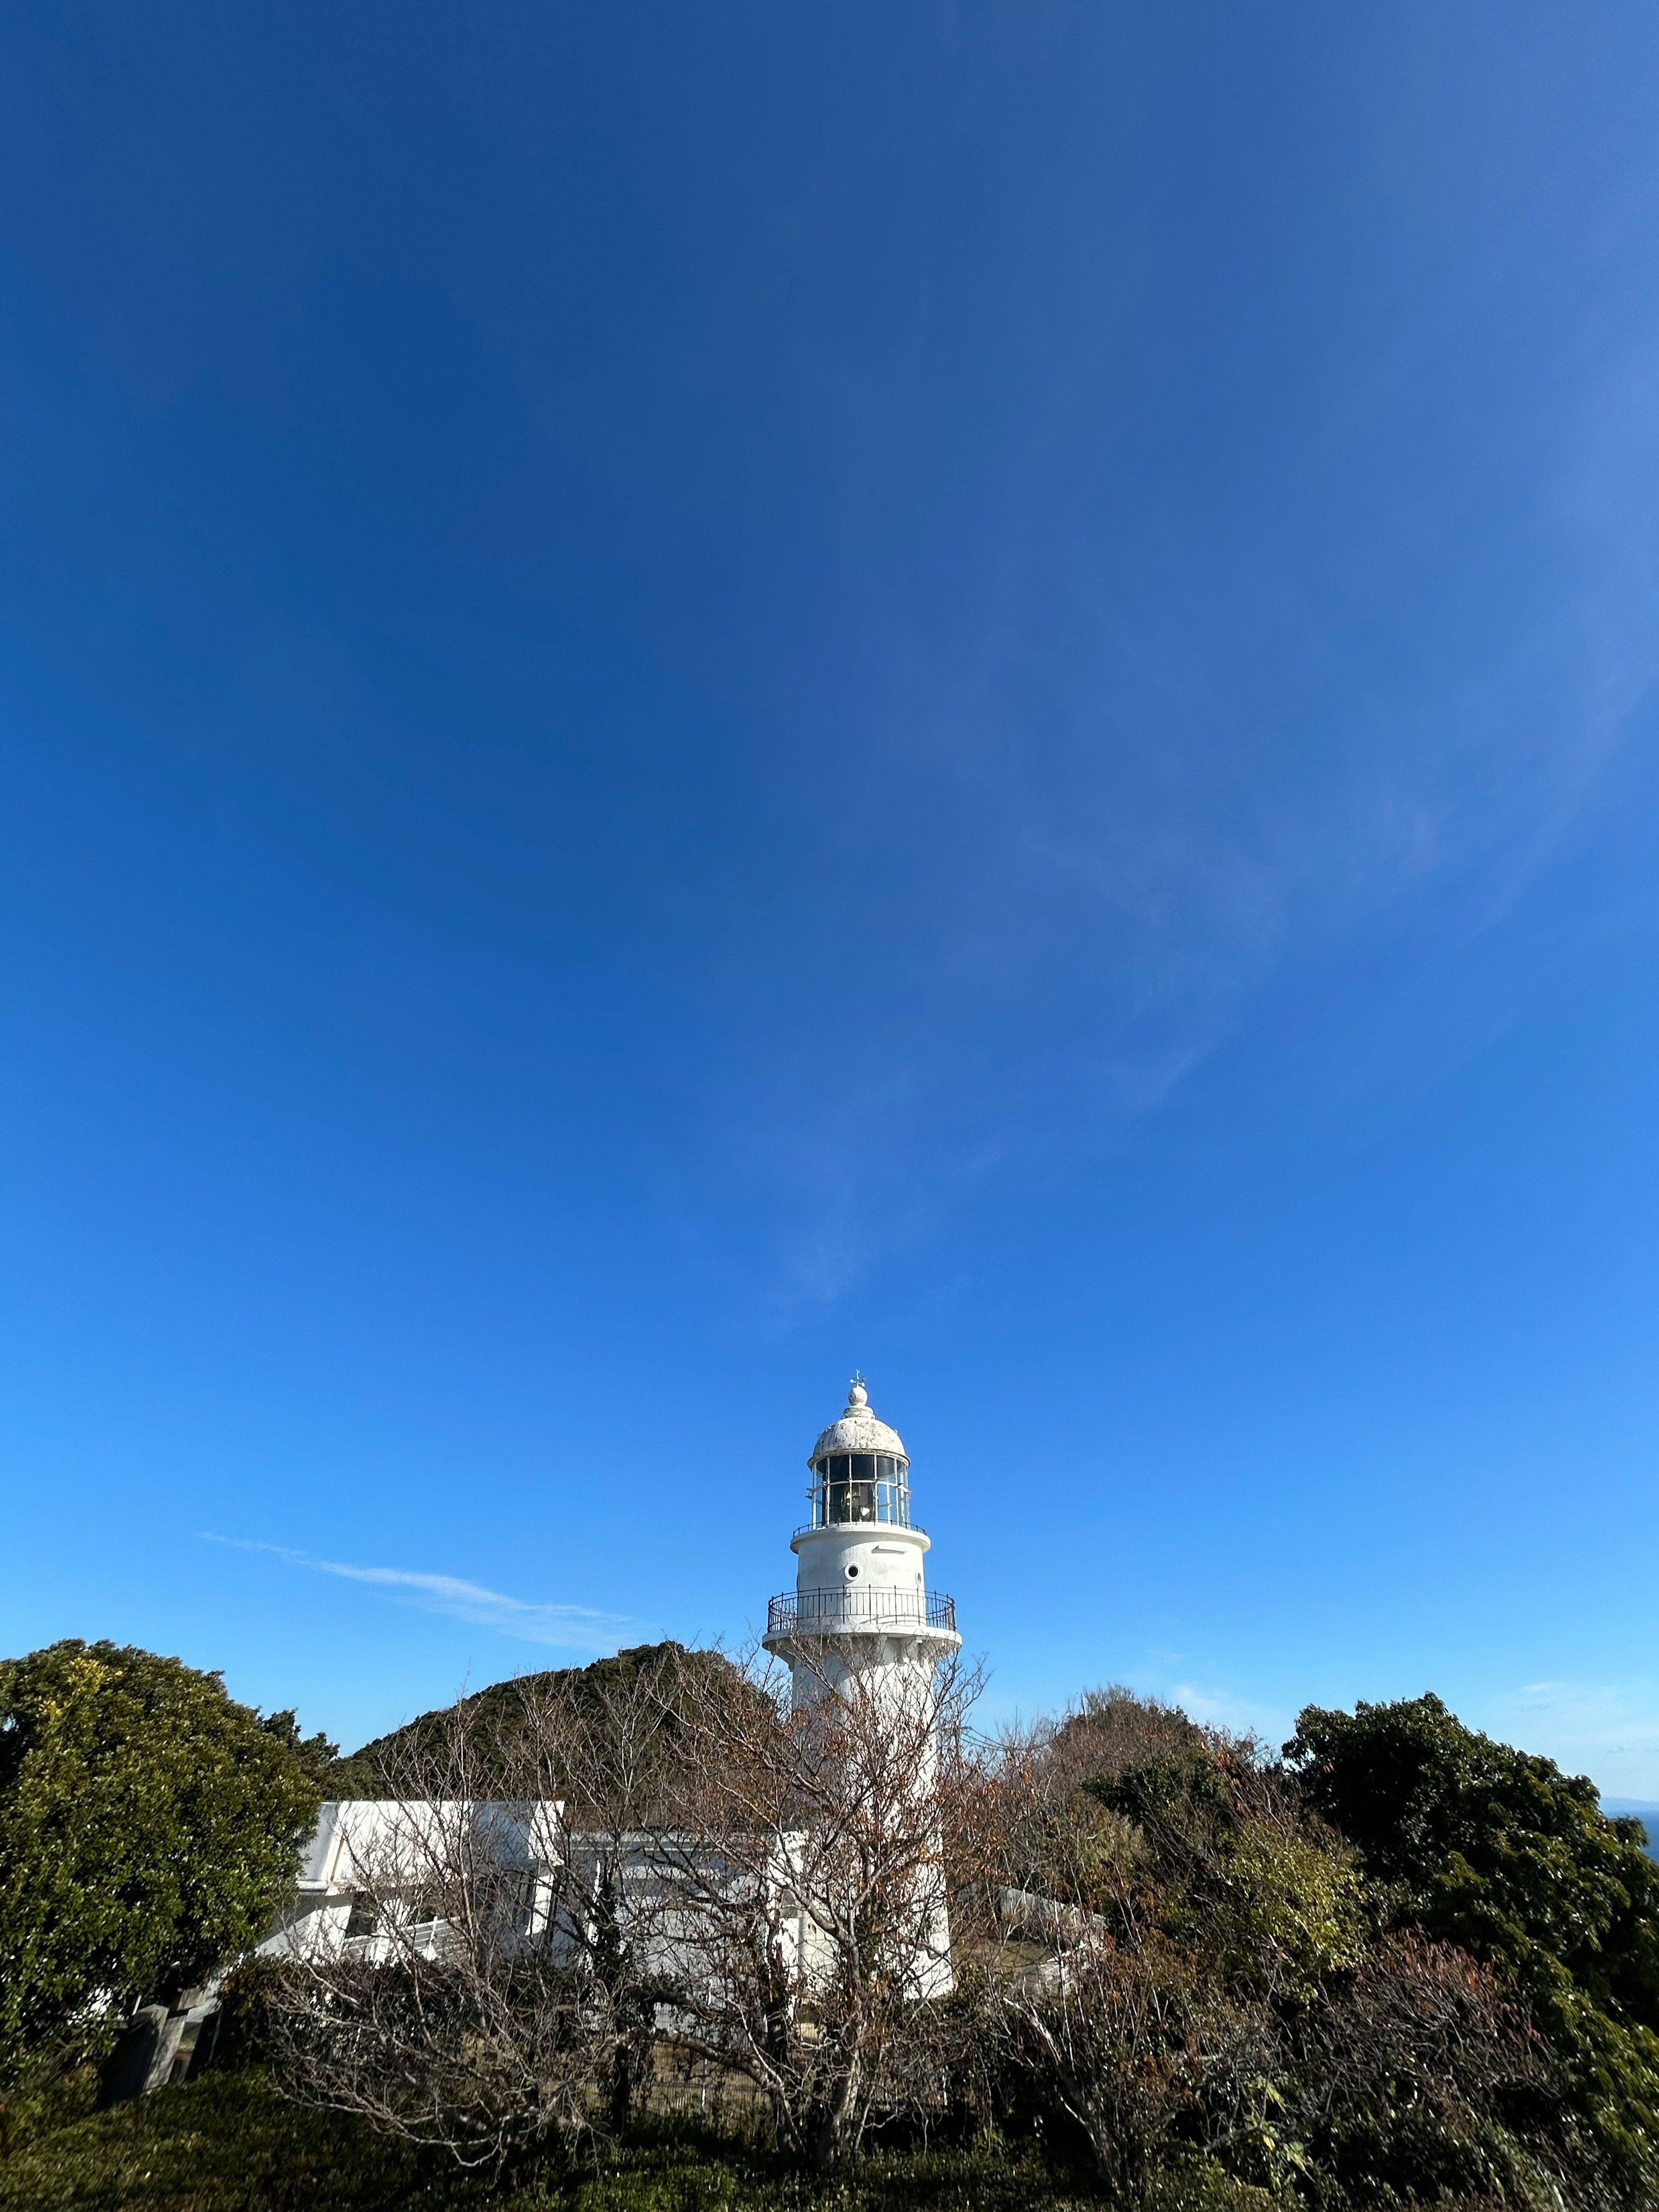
{"x": 227, "y": 2143}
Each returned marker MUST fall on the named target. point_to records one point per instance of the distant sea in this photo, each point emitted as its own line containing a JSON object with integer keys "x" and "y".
{"x": 1645, "y": 1812}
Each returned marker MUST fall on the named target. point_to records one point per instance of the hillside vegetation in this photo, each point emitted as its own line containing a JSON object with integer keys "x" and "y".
{"x": 494, "y": 1722}
{"x": 1397, "y": 1964}
{"x": 230, "y": 2144}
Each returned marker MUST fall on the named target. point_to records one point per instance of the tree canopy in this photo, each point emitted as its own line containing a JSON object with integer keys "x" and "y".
{"x": 1499, "y": 1851}
{"x": 499, "y": 1722}
{"x": 149, "y": 1827}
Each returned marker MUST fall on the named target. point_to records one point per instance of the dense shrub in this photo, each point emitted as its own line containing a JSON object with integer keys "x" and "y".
{"x": 1197, "y": 1974}
{"x": 1497, "y": 1851}
{"x": 244, "y": 2032}
{"x": 148, "y": 1826}
{"x": 228, "y": 2144}
{"x": 1403, "y": 1966}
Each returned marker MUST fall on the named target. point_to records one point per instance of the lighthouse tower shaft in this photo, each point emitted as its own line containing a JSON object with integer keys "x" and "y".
{"x": 863, "y": 1635}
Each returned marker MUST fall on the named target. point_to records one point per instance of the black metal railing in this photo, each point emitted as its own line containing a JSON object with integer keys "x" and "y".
{"x": 810, "y": 1613}
{"x": 816, "y": 1528}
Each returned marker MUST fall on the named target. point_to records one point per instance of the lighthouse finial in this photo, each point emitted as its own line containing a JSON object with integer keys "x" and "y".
{"x": 856, "y": 1393}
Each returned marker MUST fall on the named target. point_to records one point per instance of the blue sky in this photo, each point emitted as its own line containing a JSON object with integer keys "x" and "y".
{"x": 695, "y": 695}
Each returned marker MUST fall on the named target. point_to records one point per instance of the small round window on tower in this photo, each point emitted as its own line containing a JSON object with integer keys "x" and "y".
{"x": 852, "y": 1574}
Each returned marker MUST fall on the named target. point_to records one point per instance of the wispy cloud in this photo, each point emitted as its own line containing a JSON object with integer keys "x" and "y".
{"x": 1128, "y": 826}
{"x": 1609, "y": 1730}
{"x": 1217, "y": 1706}
{"x": 568, "y": 1627}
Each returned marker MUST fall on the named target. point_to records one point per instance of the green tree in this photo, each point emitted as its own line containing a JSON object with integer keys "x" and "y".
{"x": 1218, "y": 1990}
{"x": 504, "y": 1722}
{"x": 1499, "y": 1851}
{"x": 149, "y": 1827}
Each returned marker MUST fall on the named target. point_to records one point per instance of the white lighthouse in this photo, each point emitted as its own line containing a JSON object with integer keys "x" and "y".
{"x": 860, "y": 1601}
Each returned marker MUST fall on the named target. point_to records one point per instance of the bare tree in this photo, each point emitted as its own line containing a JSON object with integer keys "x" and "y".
{"x": 1085, "y": 1996}
{"x": 1424, "y": 2042}
{"x": 489, "y": 1986}
{"x": 610, "y": 1750}
{"x": 676, "y": 1860}
{"x": 806, "y": 1873}
{"x": 1180, "y": 1961}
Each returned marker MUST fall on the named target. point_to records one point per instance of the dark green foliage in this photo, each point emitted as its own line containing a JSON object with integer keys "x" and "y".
{"x": 1319, "y": 1985}
{"x": 1229, "y": 1991}
{"x": 315, "y": 1754}
{"x": 227, "y": 2144}
{"x": 492, "y": 1720}
{"x": 1494, "y": 1849}
{"x": 148, "y": 1826}
{"x": 1183, "y": 1803}
{"x": 1497, "y": 1851}
{"x": 244, "y": 2031}
{"x": 47, "y": 2105}
{"x": 1413, "y": 2076}
{"x": 1115, "y": 1731}
{"x": 224, "y": 2143}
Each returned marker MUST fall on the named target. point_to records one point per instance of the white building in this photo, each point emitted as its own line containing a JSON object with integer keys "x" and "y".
{"x": 374, "y": 1868}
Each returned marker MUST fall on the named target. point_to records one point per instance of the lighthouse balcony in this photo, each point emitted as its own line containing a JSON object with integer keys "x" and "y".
{"x": 828, "y": 1613}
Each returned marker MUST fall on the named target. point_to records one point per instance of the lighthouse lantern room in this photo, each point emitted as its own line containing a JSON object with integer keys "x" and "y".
{"x": 861, "y": 1597}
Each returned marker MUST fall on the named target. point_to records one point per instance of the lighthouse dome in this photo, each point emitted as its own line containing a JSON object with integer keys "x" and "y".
{"x": 859, "y": 1431}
